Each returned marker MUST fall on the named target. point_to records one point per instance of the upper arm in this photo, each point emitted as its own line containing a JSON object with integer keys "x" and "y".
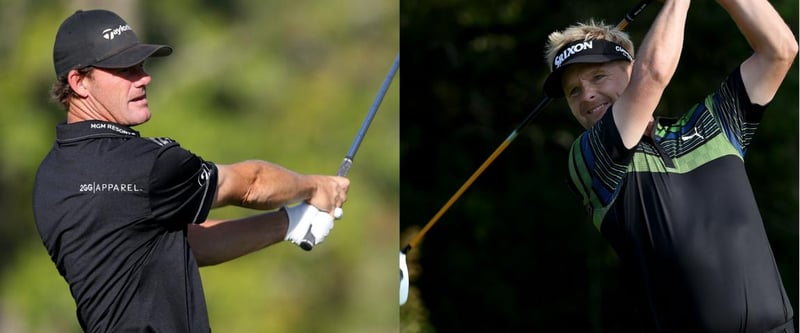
{"x": 773, "y": 43}
{"x": 655, "y": 65}
{"x": 762, "y": 76}
{"x": 231, "y": 186}
{"x": 634, "y": 109}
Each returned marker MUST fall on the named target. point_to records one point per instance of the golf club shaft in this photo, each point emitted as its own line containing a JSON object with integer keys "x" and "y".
{"x": 629, "y": 17}
{"x": 476, "y": 174}
{"x": 309, "y": 240}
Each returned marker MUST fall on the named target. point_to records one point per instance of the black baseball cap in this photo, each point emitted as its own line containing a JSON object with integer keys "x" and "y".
{"x": 581, "y": 52}
{"x": 100, "y": 38}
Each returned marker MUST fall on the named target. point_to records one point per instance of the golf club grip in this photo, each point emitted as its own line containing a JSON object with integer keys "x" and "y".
{"x": 345, "y": 167}
{"x": 308, "y": 240}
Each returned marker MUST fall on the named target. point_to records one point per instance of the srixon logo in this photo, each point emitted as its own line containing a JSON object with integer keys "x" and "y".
{"x": 110, "y": 33}
{"x": 571, "y": 51}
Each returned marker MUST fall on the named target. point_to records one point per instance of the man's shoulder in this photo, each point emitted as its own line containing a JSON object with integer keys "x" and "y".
{"x": 162, "y": 141}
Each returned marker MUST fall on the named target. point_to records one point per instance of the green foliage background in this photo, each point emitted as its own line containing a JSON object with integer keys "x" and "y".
{"x": 285, "y": 81}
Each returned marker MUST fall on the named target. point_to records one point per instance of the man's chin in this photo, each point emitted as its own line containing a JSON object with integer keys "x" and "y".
{"x": 142, "y": 116}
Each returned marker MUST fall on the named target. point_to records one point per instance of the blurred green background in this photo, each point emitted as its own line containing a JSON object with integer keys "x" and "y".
{"x": 285, "y": 81}
{"x": 517, "y": 252}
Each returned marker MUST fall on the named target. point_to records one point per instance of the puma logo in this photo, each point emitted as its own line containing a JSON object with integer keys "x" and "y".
{"x": 686, "y": 137}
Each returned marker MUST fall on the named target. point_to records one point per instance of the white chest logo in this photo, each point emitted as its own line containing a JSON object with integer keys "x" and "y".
{"x": 689, "y": 136}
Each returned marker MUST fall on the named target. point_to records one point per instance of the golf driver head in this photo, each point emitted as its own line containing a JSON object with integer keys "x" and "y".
{"x": 403, "y": 279}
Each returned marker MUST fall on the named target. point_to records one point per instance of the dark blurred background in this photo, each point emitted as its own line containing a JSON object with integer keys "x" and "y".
{"x": 517, "y": 251}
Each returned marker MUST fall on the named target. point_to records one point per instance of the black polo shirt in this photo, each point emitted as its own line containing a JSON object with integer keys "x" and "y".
{"x": 679, "y": 211}
{"x": 112, "y": 209}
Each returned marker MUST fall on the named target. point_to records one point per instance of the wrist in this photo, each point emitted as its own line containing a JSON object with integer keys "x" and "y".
{"x": 299, "y": 220}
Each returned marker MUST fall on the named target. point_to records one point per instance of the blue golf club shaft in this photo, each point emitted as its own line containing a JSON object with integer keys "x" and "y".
{"x": 308, "y": 241}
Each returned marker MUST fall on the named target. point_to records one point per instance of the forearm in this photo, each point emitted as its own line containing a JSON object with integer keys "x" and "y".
{"x": 660, "y": 51}
{"x": 261, "y": 185}
{"x": 762, "y": 27}
{"x": 773, "y": 43}
{"x": 214, "y": 241}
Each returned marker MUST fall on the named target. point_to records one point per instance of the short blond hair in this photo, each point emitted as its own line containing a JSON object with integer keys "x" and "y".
{"x": 585, "y": 31}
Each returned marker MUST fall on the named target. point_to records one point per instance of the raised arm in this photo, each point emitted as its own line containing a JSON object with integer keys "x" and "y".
{"x": 774, "y": 46}
{"x": 653, "y": 68}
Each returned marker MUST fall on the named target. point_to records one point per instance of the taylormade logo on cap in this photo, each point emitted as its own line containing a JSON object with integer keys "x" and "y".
{"x": 572, "y": 50}
{"x": 110, "y": 33}
{"x": 99, "y": 38}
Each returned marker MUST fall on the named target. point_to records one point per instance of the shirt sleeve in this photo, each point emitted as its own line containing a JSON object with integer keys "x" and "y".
{"x": 182, "y": 186}
{"x": 597, "y": 164}
{"x": 737, "y": 115}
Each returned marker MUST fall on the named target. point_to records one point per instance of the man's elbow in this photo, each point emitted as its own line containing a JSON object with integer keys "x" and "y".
{"x": 792, "y": 49}
{"x": 786, "y": 51}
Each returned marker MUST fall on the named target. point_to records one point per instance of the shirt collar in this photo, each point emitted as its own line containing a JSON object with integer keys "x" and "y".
{"x": 92, "y": 129}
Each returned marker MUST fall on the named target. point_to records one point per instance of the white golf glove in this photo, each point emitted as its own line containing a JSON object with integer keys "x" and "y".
{"x": 304, "y": 216}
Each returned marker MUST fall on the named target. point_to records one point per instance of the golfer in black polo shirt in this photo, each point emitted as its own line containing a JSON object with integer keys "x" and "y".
{"x": 123, "y": 217}
{"x": 671, "y": 195}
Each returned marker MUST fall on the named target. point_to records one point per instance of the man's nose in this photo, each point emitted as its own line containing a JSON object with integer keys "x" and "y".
{"x": 588, "y": 93}
{"x": 143, "y": 78}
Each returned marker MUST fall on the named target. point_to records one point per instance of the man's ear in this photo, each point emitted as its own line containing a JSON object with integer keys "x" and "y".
{"x": 76, "y": 82}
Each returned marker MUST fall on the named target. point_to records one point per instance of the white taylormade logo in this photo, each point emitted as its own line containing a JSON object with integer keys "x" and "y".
{"x": 110, "y": 33}
{"x": 571, "y": 51}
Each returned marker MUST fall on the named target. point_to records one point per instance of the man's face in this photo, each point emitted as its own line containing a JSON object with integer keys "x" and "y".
{"x": 119, "y": 94}
{"x": 590, "y": 89}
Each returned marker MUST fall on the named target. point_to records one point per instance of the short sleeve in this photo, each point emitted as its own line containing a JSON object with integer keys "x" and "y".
{"x": 597, "y": 164}
{"x": 182, "y": 186}
{"x": 737, "y": 115}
